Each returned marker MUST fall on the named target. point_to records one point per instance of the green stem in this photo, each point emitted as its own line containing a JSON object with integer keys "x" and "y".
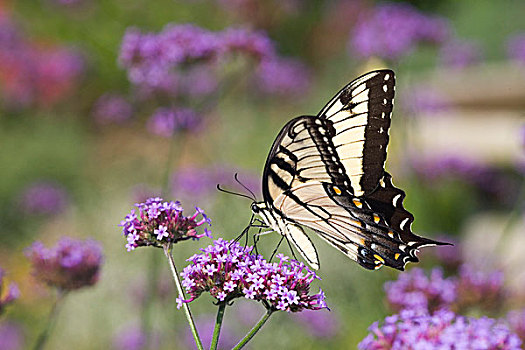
{"x": 218, "y": 324}
{"x": 254, "y": 330}
{"x": 187, "y": 311}
{"x": 51, "y": 320}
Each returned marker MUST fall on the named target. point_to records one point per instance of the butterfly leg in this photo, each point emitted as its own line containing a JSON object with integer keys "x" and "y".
{"x": 290, "y": 246}
{"x": 256, "y": 240}
{"x": 276, "y": 248}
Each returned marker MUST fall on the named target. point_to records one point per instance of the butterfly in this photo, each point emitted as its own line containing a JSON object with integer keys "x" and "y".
{"x": 326, "y": 172}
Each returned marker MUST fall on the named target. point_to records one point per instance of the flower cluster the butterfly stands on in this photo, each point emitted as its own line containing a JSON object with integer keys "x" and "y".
{"x": 227, "y": 271}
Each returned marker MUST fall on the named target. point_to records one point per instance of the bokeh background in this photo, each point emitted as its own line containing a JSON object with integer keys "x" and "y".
{"x": 104, "y": 103}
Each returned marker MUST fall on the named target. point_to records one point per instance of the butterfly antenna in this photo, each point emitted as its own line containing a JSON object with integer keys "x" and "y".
{"x": 236, "y": 177}
{"x": 234, "y": 193}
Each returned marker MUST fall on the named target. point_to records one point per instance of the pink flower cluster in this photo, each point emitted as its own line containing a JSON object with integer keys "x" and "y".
{"x": 227, "y": 271}
{"x": 31, "y": 73}
{"x": 159, "y": 222}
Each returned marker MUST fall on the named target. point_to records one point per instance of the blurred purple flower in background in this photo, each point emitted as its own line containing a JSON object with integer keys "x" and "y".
{"x": 425, "y": 100}
{"x": 31, "y": 73}
{"x": 11, "y": 336}
{"x": 112, "y": 108}
{"x": 322, "y": 324}
{"x": 11, "y": 295}
{"x": 516, "y": 320}
{"x": 442, "y": 330}
{"x": 451, "y": 165}
{"x": 390, "y": 31}
{"x": 179, "y": 56}
{"x": 256, "y": 44}
{"x": 414, "y": 290}
{"x": 460, "y": 53}
{"x": 516, "y": 47}
{"x": 282, "y": 77}
{"x": 152, "y": 59}
{"x": 227, "y": 271}
{"x": 205, "y": 324}
{"x": 69, "y": 265}
{"x": 197, "y": 81}
{"x": 161, "y": 222}
{"x": 480, "y": 289}
{"x": 166, "y": 122}
{"x": 130, "y": 337}
{"x": 43, "y": 198}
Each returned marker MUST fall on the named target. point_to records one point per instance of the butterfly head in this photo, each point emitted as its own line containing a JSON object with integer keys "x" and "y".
{"x": 258, "y": 207}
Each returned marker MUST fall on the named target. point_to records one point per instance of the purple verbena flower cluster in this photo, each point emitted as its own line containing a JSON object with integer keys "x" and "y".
{"x": 69, "y": 265}
{"x": 152, "y": 59}
{"x": 390, "y": 31}
{"x": 471, "y": 288}
{"x": 282, "y": 77}
{"x": 414, "y": 290}
{"x": 31, "y": 74}
{"x": 482, "y": 289}
{"x": 516, "y": 47}
{"x": 460, "y": 53}
{"x": 7, "y": 297}
{"x": 173, "y": 60}
{"x": 227, "y": 271}
{"x": 43, "y": 198}
{"x": 442, "y": 330}
{"x": 166, "y": 122}
{"x": 112, "y": 109}
{"x": 158, "y": 223}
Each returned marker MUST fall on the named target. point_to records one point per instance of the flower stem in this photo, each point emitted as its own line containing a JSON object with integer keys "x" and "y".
{"x": 218, "y": 324}
{"x": 253, "y": 331}
{"x": 187, "y": 312}
{"x": 51, "y": 320}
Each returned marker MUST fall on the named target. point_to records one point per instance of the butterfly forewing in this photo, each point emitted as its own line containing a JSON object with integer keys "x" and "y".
{"x": 361, "y": 114}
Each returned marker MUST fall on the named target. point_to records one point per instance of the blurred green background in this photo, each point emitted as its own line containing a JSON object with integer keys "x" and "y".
{"x": 477, "y": 117}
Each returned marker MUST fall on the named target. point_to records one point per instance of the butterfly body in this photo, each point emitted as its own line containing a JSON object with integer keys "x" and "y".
{"x": 326, "y": 172}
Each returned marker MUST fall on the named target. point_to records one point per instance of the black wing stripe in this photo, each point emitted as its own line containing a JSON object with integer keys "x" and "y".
{"x": 370, "y": 98}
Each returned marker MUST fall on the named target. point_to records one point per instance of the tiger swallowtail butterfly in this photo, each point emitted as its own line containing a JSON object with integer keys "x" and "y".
{"x": 326, "y": 172}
